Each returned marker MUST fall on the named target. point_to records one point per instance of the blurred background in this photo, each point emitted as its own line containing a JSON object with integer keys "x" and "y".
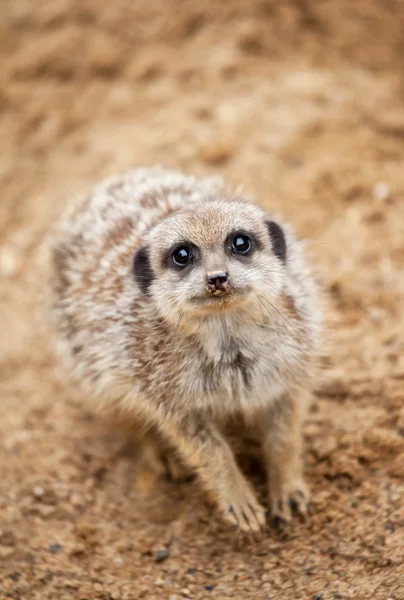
{"x": 301, "y": 102}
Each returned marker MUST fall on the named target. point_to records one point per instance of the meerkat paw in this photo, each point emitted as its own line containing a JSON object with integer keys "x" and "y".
{"x": 241, "y": 508}
{"x": 289, "y": 499}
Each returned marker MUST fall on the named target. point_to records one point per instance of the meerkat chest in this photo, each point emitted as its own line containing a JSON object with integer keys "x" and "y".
{"x": 233, "y": 367}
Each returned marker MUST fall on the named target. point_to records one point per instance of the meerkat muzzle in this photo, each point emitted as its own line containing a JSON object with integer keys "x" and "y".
{"x": 218, "y": 283}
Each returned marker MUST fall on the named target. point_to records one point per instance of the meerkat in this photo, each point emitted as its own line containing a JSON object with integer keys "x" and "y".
{"x": 186, "y": 308}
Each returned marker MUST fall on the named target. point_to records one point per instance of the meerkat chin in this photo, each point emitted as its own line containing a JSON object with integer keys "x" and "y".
{"x": 184, "y": 307}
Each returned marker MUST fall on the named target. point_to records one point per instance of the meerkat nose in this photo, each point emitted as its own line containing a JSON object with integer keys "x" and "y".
{"x": 218, "y": 282}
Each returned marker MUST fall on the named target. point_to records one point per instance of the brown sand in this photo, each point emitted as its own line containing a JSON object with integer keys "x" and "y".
{"x": 302, "y": 102}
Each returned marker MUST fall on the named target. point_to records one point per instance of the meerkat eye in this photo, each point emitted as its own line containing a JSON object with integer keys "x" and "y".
{"x": 241, "y": 243}
{"x": 182, "y": 255}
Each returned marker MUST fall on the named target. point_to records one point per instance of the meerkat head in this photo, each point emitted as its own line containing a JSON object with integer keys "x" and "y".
{"x": 215, "y": 256}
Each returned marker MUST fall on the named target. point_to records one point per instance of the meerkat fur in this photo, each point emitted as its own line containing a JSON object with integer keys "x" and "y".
{"x": 186, "y": 349}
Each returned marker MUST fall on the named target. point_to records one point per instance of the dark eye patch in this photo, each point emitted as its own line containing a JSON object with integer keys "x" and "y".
{"x": 142, "y": 269}
{"x": 278, "y": 240}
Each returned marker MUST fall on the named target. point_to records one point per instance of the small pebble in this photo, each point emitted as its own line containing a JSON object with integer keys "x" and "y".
{"x": 381, "y": 191}
{"x": 317, "y": 597}
{"x": 53, "y": 548}
{"x": 209, "y": 588}
{"x": 8, "y": 262}
{"x": 323, "y": 448}
{"x": 5, "y": 551}
{"x": 217, "y": 151}
{"x": 377, "y": 314}
{"x": 161, "y": 555}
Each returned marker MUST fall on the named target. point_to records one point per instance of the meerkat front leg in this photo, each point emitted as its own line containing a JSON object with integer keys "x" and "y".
{"x": 282, "y": 447}
{"x": 206, "y": 451}
{"x": 162, "y": 458}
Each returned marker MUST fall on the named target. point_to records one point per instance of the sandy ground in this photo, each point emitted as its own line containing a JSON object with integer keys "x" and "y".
{"x": 302, "y": 103}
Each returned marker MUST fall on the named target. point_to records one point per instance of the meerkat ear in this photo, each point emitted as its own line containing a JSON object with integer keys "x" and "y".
{"x": 142, "y": 269}
{"x": 278, "y": 240}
